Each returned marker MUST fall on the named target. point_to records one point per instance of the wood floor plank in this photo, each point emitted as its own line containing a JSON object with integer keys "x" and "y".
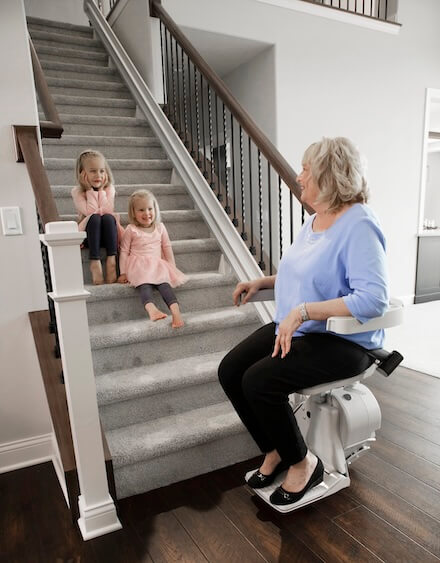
{"x": 413, "y": 408}
{"x": 414, "y": 443}
{"x": 325, "y": 538}
{"x": 405, "y": 421}
{"x": 425, "y": 471}
{"x": 256, "y": 520}
{"x": 158, "y": 531}
{"x": 393, "y": 479}
{"x": 408, "y": 519}
{"x": 382, "y": 539}
{"x": 215, "y": 535}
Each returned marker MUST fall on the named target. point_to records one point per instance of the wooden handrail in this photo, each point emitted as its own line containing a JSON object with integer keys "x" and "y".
{"x": 52, "y": 128}
{"x": 28, "y": 152}
{"x": 274, "y": 157}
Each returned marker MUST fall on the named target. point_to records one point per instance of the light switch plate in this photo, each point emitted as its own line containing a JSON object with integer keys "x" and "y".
{"x": 11, "y": 221}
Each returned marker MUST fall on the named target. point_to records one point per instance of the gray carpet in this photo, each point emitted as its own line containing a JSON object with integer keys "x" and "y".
{"x": 165, "y": 415}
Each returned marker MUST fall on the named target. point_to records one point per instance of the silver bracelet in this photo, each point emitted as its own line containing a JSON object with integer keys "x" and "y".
{"x": 304, "y": 315}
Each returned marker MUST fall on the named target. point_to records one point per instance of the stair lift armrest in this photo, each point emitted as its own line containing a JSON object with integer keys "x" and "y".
{"x": 349, "y": 325}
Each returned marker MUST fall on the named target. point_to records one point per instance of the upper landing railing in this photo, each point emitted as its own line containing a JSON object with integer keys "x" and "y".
{"x": 384, "y": 10}
{"x": 243, "y": 168}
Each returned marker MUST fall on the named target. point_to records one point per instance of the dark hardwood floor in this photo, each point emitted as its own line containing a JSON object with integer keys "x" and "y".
{"x": 391, "y": 512}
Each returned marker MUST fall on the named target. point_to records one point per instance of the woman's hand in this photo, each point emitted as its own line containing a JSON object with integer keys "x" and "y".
{"x": 123, "y": 278}
{"x": 286, "y": 329}
{"x": 244, "y": 291}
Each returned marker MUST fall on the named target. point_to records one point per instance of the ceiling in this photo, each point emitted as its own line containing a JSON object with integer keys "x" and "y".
{"x": 224, "y": 53}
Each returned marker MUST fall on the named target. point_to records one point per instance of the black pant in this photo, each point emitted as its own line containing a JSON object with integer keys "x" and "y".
{"x": 258, "y": 386}
{"x": 164, "y": 289}
{"x": 101, "y": 231}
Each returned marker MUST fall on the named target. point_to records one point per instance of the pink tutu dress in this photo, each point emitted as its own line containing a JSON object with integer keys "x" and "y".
{"x": 148, "y": 257}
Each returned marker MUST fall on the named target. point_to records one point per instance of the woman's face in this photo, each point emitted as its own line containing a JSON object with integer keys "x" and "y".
{"x": 309, "y": 188}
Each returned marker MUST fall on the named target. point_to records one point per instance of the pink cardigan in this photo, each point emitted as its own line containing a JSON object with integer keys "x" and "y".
{"x": 100, "y": 202}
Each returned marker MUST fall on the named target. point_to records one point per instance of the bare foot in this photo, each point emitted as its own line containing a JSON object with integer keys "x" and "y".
{"x": 96, "y": 270}
{"x": 154, "y": 313}
{"x": 110, "y": 270}
{"x": 271, "y": 460}
{"x": 177, "y": 321}
{"x": 299, "y": 474}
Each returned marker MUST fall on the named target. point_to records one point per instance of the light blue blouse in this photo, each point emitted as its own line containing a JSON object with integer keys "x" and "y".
{"x": 347, "y": 260}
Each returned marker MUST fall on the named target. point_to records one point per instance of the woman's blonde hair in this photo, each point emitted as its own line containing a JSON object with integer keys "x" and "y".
{"x": 90, "y": 153}
{"x": 338, "y": 170}
{"x": 142, "y": 194}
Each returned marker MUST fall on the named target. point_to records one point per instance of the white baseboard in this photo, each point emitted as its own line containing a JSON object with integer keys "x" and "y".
{"x": 23, "y": 453}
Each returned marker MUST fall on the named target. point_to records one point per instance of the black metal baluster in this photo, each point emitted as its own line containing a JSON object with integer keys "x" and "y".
{"x": 162, "y": 48}
{"x": 260, "y": 210}
{"x": 386, "y": 10}
{"x": 363, "y": 7}
{"x": 203, "y": 125}
{"x": 211, "y": 159}
{"x": 185, "y": 108}
{"x": 378, "y": 9}
{"x": 179, "y": 99}
{"x": 197, "y": 116}
{"x": 251, "y": 206}
{"x": 280, "y": 218}
{"x": 227, "y": 206}
{"x": 174, "y": 87}
{"x": 219, "y": 175}
{"x": 168, "y": 96}
{"x": 270, "y": 218}
{"x": 234, "y": 195}
{"x": 243, "y": 206}
{"x": 191, "y": 132}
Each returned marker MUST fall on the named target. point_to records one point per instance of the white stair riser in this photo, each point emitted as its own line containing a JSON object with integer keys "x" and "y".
{"x": 166, "y": 349}
{"x": 172, "y": 468}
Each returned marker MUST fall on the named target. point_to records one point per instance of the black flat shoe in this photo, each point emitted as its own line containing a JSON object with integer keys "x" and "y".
{"x": 257, "y": 480}
{"x": 281, "y": 497}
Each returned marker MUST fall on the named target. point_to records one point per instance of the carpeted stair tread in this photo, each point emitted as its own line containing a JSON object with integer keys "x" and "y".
{"x": 65, "y": 53}
{"x": 62, "y": 26}
{"x": 197, "y": 280}
{"x": 140, "y": 442}
{"x": 174, "y": 216}
{"x": 158, "y": 378}
{"x": 115, "y": 164}
{"x": 63, "y": 99}
{"x": 63, "y": 190}
{"x": 71, "y": 39}
{"x": 103, "y": 140}
{"x": 130, "y": 332}
{"x": 76, "y": 67}
{"x": 60, "y": 82}
{"x": 100, "y": 120}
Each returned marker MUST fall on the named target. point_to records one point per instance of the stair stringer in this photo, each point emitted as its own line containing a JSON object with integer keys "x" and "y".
{"x": 233, "y": 247}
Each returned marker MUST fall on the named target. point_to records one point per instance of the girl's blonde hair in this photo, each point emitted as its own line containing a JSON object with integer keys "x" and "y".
{"x": 339, "y": 171}
{"x": 142, "y": 194}
{"x": 89, "y": 153}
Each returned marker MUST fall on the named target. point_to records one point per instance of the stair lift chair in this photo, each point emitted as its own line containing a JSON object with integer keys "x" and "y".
{"x": 339, "y": 419}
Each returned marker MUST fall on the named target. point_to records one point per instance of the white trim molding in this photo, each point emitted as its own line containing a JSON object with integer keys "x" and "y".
{"x": 336, "y": 14}
{"x": 26, "y": 452}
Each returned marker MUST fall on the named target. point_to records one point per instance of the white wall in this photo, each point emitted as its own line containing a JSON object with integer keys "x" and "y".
{"x": 69, "y": 11}
{"x": 336, "y": 79}
{"x": 23, "y": 408}
{"x": 432, "y": 195}
{"x": 253, "y": 84}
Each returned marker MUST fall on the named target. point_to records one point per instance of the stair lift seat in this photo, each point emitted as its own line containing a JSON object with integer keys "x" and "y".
{"x": 339, "y": 419}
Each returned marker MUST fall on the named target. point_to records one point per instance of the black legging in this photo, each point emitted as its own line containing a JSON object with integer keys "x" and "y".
{"x": 258, "y": 386}
{"x": 146, "y": 290}
{"x": 101, "y": 231}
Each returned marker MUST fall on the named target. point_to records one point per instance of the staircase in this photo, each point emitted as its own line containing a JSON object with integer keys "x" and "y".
{"x": 165, "y": 416}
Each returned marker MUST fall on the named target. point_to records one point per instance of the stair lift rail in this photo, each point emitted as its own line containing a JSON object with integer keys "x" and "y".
{"x": 339, "y": 419}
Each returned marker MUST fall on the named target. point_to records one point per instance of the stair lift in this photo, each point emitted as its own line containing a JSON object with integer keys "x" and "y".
{"x": 339, "y": 419}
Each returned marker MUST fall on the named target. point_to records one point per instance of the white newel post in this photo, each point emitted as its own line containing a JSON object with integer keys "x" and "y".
{"x": 96, "y": 507}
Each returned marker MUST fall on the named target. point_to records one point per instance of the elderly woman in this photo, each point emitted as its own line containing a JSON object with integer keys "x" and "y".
{"x": 335, "y": 267}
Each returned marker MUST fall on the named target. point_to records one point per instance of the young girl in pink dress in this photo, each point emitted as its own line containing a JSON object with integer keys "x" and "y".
{"x": 146, "y": 258}
{"x": 94, "y": 199}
